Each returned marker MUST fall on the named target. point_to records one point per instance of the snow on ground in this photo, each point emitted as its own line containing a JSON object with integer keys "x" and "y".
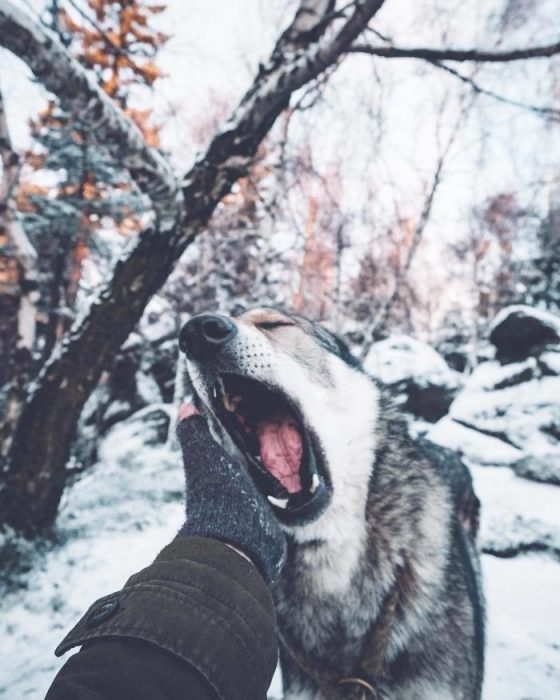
{"x": 118, "y": 515}
{"x": 114, "y": 520}
{"x": 523, "y": 659}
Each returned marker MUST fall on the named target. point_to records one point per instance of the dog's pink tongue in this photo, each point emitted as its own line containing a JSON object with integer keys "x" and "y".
{"x": 282, "y": 450}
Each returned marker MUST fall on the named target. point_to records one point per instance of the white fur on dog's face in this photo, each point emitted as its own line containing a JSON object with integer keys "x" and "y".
{"x": 343, "y": 416}
{"x": 340, "y": 405}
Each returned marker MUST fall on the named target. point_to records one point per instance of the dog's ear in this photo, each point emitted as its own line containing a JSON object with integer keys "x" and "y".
{"x": 334, "y": 343}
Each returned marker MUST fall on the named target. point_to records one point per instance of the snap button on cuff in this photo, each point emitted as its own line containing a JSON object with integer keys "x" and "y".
{"x": 102, "y": 612}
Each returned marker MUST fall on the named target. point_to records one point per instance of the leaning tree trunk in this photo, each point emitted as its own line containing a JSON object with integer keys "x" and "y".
{"x": 316, "y": 39}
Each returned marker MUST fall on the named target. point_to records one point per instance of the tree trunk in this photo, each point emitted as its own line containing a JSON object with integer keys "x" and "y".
{"x": 35, "y": 478}
{"x": 18, "y": 295}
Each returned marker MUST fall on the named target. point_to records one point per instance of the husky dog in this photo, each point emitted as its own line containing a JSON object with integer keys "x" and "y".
{"x": 375, "y": 539}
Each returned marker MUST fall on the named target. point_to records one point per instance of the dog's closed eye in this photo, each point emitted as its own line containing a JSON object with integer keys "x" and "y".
{"x": 269, "y": 325}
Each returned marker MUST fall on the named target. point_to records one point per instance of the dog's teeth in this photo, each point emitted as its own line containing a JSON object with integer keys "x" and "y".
{"x": 230, "y": 402}
{"x": 278, "y": 502}
{"x": 215, "y": 392}
{"x": 314, "y": 483}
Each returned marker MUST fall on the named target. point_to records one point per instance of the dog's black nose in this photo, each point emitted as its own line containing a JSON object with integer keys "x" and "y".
{"x": 205, "y": 334}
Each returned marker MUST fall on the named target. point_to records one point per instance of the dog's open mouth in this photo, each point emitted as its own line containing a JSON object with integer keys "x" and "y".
{"x": 282, "y": 453}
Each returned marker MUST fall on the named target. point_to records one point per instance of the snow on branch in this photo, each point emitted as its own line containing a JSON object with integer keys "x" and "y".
{"x": 462, "y": 55}
{"x": 80, "y": 95}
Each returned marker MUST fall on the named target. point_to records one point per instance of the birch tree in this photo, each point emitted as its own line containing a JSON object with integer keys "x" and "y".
{"x": 19, "y": 292}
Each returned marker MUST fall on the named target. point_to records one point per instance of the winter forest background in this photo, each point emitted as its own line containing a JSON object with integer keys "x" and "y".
{"x": 390, "y": 168}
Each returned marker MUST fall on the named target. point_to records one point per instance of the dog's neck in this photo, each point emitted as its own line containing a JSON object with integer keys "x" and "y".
{"x": 331, "y": 549}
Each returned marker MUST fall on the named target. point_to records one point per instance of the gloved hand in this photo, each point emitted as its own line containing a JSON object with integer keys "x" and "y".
{"x": 222, "y": 501}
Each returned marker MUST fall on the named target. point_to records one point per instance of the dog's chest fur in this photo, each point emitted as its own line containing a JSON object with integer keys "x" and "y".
{"x": 320, "y": 623}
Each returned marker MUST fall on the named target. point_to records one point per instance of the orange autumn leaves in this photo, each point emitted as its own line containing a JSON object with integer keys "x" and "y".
{"x": 115, "y": 40}
{"x": 119, "y": 45}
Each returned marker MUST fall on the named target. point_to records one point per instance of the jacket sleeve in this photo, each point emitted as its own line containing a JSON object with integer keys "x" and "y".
{"x": 197, "y": 623}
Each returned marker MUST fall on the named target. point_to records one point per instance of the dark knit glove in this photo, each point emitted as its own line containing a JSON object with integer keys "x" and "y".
{"x": 224, "y": 504}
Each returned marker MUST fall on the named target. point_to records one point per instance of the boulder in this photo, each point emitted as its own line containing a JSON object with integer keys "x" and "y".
{"x": 515, "y": 404}
{"x": 543, "y": 467}
{"x": 521, "y": 536}
{"x": 508, "y": 413}
{"x": 473, "y": 445}
{"x": 549, "y": 362}
{"x": 417, "y": 376}
{"x": 520, "y": 331}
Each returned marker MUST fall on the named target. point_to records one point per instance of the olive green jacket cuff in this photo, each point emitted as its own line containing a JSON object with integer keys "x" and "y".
{"x": 202, "y": 602}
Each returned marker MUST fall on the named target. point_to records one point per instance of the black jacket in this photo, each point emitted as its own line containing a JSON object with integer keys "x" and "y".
{"x": 197, "y": 623}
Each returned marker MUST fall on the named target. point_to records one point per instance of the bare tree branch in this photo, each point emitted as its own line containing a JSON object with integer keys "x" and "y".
{"x": 436, "y": 58}
{"x": 550, "y": 112}
{"x": 462, "y": 55}
{"x": 383, "y": 313}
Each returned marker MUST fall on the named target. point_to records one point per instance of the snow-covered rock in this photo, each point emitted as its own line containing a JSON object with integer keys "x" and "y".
{"x": 508, "y": 414}
{"x": 491, "y": 376}
{"x": 517, "y": 515}
{"x": 473, "y": 445}
{"x": 150, "y": 425}
{"x": 520, "y": 331}
{"x": 526, "y": 415}
{"x": 549, "y": 362}
{"x": 419, "y": 378}
{"x": 519, "y": 536}
{"x": 544, "y": 467}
